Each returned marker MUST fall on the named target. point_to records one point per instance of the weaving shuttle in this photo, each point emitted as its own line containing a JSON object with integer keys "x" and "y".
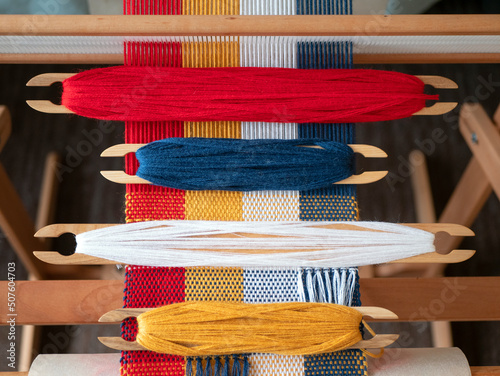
{"x": 48, "y": 79}
{"x": 439, "y": 230}
{"x": 368, "y": 151}
{"x": 255, "y": 318}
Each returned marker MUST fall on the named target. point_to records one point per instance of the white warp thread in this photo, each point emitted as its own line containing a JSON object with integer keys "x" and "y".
{"x": 327, "y": 285}
{"x": 184, "y": 243}
{"x": 362, "y": 44}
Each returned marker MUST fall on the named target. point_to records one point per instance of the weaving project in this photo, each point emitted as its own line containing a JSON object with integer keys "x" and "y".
{"x": 152, "y": 287}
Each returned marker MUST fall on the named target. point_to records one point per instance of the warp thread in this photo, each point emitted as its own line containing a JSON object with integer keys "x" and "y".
{"x": 327, "y": 285}
{"x": 244, "y": 165}
{"x": 285, "y": 95}
{"x": 198, "y": 329}
{"x": 254, "y": 244}
{"x": 218, "y": 365}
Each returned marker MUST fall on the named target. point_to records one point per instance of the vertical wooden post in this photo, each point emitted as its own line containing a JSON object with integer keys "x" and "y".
{"x": 469, "y": 195}
{"x": 15, "y": 221}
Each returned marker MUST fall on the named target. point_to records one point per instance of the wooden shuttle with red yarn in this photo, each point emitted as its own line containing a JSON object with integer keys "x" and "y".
{"x": 243, "y": 94}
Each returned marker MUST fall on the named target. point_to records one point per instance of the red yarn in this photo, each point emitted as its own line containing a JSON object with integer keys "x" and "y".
{"x": 244, "y": 94}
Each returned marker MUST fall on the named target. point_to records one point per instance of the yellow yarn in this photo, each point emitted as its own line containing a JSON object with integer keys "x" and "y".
{"x": 223, "y": 328}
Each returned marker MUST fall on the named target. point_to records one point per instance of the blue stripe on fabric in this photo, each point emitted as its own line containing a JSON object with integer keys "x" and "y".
{"x": 270, "y": 285}
{"x": 326, "y": 55}
{"x": 324, "y": 7}
{"x": 317, "y": 204}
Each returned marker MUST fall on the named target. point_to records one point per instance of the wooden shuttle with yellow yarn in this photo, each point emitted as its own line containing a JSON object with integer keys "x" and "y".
{"x": 48, "y": 107}
{"x": 442, "y": 232}
{"x": 223, "y": 328}
{"x": 368, "y": 151}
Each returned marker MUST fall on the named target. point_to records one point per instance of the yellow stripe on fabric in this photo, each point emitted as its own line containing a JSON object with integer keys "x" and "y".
{"x": 211, "y": 52}
{"x": 214, "y": 284}
{"x": 219, "y": 129}
{"x": 274, "y": 365}
{"x": 210, "y": 7}
{"x": 212, "y": 205}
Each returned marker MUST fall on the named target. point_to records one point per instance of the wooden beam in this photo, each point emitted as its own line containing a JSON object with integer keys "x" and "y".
{"x": 475, "y": 371}
{"x": 470, "y": 194}
{"x": 15, "y": 221}
{"x": 483, "y": 139}
{"x": 466, "y": 201}
{"x": 412, "y": 299}
{"x": 431, "y": 58}
{"x": 307, "y": 25}
{"x": 425, "y": 211}
{"x": 421, "y": 187}
{"x": 485, "y": 371}
{"x": 63, "y": 302}
{"x": 435, "y": 299}
{"x": 5, "y": 125}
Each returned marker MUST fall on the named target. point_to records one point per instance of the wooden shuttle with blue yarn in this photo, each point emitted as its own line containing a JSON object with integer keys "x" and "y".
{"x": 244, "y": 165}
{"x": 224, "y": 328}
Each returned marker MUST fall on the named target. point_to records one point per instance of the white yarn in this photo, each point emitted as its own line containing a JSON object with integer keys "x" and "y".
{"x": 185, "y": 243}
{"x": 321, "y": 288}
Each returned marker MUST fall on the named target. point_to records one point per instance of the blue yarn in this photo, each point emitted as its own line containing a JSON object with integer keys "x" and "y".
{"x": 246, "y": 365}
{"x": 189, "y": 366}
{"x": 236, "y": 366}
{"x": 225, "y": 368}
{"x": 199, "y": 367}
{"x": 208, "y": 367}
{"x": 217, "y": 366}
{"x": 244, "y": 165}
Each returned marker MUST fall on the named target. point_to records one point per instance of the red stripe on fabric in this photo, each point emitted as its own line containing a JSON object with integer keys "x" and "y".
{"x": 147, "y": 287}
{"x": 156, "y": 202}
{"x": 151, "y": 287}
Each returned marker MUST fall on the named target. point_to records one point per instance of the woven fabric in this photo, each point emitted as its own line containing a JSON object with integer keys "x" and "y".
{"x": 327, "y": 205}
{"x": 337, "y": 202}
{"x": 270, "y": 285}
{"x": 344, "y": 363}
{"x": 274, "y": 365}
{"x": 152, "y": 287}
{"x": 214, "y": 284}
{"x": 142, "y": 201}
{"x": 269, "y": 52}
{"x": 271, "y": 206}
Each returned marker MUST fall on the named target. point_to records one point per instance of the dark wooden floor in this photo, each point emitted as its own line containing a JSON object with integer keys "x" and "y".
{"x": 86, "y": 197}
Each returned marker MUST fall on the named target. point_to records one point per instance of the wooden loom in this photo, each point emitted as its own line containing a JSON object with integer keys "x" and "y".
{"x": 235, "y": 25}
{"x": 82, "y": 302}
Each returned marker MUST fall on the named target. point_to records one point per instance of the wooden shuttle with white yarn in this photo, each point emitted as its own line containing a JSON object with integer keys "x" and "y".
{"x": 368, "y": 151}
{"x": 434, "y": 232}
{"x": 47, "y": 79}
{"x": 118, "y": 315}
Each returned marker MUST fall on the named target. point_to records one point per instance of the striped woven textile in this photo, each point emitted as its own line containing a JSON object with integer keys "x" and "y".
{"x": 152, "y": 287}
